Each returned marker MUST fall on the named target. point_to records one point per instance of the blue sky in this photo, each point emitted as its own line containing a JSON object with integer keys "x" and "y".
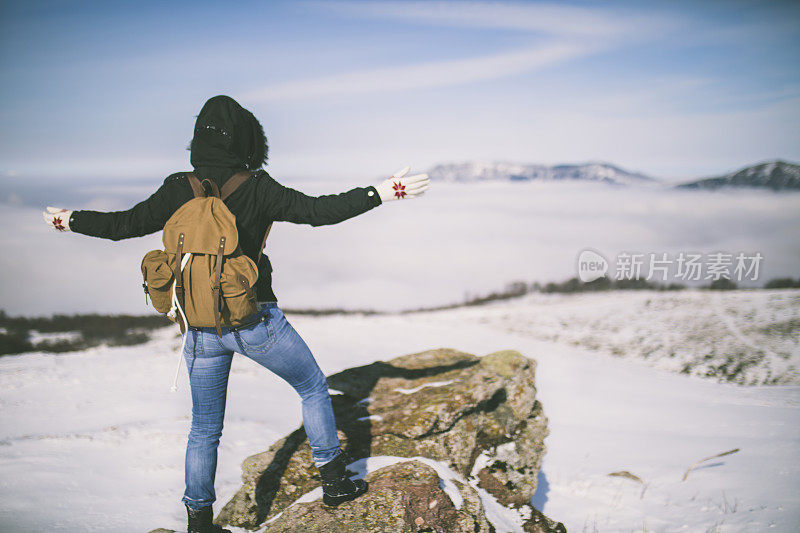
{"x": 354, "y": 90}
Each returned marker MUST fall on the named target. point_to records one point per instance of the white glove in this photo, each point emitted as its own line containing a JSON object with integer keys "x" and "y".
{"x": 56, "y": 218}
{"x": 397, "y": 187}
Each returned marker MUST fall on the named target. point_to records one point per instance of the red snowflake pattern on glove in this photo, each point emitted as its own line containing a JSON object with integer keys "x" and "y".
{"x": 58, "y": 224}
{"x": 399, "y": 189}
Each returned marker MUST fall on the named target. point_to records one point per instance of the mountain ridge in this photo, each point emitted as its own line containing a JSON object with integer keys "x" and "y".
{"x": 474, "y": 171}
{"x": 773, "y": 174}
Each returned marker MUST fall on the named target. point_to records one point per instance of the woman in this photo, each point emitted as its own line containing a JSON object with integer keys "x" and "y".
{"x": 228, "y": 139}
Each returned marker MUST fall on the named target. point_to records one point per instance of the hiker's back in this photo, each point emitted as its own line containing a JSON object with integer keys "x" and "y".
{"x": 202, "y": 278}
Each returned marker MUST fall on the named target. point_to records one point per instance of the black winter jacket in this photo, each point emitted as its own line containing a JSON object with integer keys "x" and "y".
{"x": 256, "y": 203}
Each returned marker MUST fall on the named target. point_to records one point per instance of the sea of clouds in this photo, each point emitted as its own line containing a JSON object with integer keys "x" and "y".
{"x": 457, "y": 240}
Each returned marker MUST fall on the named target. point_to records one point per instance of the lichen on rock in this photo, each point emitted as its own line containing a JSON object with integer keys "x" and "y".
{"x": 405, "y": 496}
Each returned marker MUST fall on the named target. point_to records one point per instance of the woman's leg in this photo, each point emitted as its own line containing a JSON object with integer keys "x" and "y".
{"x": 274, "y": 344}
{"x": 209, "y": 364}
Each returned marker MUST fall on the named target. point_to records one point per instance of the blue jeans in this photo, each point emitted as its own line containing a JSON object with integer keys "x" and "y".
{"x": 274, "y": 344}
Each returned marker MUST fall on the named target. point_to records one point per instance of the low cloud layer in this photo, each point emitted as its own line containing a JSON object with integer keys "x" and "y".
{"x": 456, "y": 240}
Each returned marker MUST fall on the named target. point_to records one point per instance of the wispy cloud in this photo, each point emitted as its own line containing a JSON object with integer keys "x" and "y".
{"x": 423, "y": 75}
{"x": 542, "y": 18}
{"x": 569, "y": 32}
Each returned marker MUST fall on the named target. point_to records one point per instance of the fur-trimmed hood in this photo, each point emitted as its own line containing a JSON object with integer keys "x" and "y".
{"x": 227, "y": 135}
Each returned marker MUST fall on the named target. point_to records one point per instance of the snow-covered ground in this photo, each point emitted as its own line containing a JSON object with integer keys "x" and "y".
{"x": 750, "y": 337}
{"x": 94, "y": 441}
{"x": 35, "y": 337}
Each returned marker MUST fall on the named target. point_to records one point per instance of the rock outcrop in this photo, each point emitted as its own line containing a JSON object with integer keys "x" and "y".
{"x": 474, "y": 419}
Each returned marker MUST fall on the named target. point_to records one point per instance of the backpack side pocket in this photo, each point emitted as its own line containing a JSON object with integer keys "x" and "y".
{"x": 158, "y": 276}
{"x": 239, "y": 275}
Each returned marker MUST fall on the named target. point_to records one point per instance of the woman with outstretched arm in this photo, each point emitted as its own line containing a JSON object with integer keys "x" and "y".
{"x": 229, "y": 139}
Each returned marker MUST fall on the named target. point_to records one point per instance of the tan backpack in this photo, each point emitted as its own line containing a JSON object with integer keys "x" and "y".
{"x": 201, "y": 278}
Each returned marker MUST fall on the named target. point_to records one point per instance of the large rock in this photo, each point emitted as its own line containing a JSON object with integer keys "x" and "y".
{"x": 477, "y": 415}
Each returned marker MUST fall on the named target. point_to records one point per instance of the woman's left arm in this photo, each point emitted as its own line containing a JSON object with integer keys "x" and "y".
{"x": 289, "y": 205}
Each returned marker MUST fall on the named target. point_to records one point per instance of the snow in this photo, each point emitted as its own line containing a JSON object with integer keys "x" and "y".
{"x": 502, "y": 518}
{"x": 670, "y": 330}
{"x": 430, "y": 384}
{"x": 94, "y": 440}
{"x": 35, "y": 337}
{"x": 375, "y": 418}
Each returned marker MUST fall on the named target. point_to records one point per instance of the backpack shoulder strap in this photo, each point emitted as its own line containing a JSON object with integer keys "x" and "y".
{"x": 233, "y": 183}
{"x": 197, "y": 188}
{"x": 203, "y": 189}
{"x": 211, "y": 189}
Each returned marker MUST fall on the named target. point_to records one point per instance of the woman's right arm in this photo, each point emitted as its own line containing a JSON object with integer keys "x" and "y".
{"x": 148, "y": 216}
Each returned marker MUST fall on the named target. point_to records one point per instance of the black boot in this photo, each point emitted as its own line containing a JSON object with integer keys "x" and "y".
{"x": 200, "y": 521}
{"x": 337, "y": 487}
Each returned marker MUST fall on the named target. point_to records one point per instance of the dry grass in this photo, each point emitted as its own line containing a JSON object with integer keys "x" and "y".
{"x": 701, "y": 461}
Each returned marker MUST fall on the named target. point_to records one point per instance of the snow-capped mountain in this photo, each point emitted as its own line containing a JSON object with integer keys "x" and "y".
{"x": 500, "y": 171}
{"x": 776, "y": 175}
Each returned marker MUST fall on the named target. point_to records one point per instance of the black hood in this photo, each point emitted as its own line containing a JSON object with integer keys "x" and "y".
{"x": 227, "y": 135}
